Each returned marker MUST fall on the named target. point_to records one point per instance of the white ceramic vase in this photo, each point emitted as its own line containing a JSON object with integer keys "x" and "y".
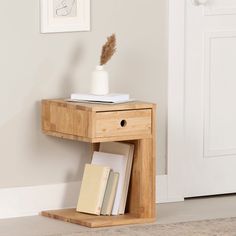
{"x": 100, "y": 81}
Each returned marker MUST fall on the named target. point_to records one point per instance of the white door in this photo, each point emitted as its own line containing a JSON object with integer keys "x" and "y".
{"x": 210, "y": 97}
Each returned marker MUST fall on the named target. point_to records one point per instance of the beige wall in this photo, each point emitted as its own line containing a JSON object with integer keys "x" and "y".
{"x": 35, "y": 66}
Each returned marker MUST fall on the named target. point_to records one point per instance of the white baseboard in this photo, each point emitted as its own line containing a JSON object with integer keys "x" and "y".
{"x": 162, "y": 193}
{"x": 161, "y": 188}
{"x": 28, "y": 201}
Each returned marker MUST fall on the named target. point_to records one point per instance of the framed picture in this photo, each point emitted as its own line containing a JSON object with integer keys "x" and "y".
{"x": 65, "y": 15}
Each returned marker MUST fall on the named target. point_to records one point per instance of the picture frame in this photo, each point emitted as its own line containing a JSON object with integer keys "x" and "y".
{"x": 65, "y": 15}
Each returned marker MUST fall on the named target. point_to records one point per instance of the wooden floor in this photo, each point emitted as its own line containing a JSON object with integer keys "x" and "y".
{"x": 190, "y": 210}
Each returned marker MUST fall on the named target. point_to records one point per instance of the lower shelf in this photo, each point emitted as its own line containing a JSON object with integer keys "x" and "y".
{"x": 70, "y": 215}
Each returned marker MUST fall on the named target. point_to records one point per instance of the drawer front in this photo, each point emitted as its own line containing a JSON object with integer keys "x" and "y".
{"x": 120, "y": 123}
{"x": 65, "y": 120}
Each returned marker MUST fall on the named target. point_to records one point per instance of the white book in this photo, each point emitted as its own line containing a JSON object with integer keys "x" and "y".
{"x": 98, "y": 102}
{"x": 117, "y": 163}
{"x": 109, "y": 98}
{"x": 126, "y": 150}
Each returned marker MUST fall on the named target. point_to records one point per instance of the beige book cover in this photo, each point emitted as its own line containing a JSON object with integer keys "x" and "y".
{"x": 127, "y": 150}
{"x": 93, "y": 188}
{"x": 110, "y": 193}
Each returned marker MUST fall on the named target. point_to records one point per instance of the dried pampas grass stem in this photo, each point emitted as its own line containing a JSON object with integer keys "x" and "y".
{"x": 108, "y": 49}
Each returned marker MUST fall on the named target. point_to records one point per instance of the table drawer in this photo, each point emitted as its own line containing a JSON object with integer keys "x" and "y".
{"x": 120, "y": 123}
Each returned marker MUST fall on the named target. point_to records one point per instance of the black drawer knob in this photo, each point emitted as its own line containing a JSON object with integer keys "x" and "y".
{"x": 123, "y": 123}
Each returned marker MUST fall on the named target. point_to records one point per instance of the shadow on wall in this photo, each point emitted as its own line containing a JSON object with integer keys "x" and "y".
{"x": 70, "y": 197}
{"x": 43, "y": 143}
{"x": 74, "y": 61}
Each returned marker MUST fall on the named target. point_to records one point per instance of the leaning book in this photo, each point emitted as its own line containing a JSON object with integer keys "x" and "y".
{"x": 127, "y": 150}
{"x": 110, "y": 193}
{"x": 117, "y": 163}
{"x": 93, "y": 188}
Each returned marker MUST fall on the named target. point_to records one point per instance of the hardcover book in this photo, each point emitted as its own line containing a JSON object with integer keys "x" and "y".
{"x": 109, "y": 98}
{"x": 93, "y": 188}
{"x": 126, "y": 150}
{"x": 117, "y": 163}
{"x": 110, "y": 193}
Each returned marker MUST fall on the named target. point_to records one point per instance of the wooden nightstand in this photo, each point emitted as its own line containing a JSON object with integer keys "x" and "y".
{"x": 132, "y": 122}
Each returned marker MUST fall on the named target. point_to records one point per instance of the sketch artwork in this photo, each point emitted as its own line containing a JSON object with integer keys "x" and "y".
{"x": 65, "y": 15}
{"x": 65, "y": 8}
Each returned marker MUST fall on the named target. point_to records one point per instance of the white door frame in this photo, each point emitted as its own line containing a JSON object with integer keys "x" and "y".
{"x": 176, "y": 82}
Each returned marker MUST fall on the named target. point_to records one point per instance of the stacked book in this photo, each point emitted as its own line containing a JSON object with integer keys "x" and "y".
{"x": 105, "y": 181}
{"x": 109, "y": 98}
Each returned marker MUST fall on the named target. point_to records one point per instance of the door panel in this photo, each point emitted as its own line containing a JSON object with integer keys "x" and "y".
{"x": 222, "y": 3}
{"x": 210, "y": 95}
{"x": 220, "y": 94}
{"x": 220, "y": 7}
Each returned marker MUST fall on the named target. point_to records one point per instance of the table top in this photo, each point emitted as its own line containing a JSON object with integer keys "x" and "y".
{"x": 132, "y": 105}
